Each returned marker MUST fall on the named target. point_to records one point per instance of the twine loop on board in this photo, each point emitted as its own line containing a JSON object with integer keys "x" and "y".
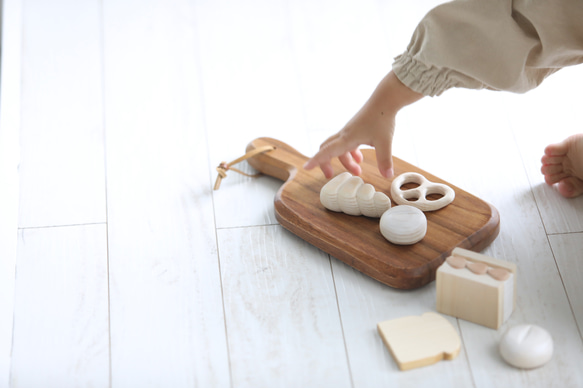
{"x": 224, "y": 166}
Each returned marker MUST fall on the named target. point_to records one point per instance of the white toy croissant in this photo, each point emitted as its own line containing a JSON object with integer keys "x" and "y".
{"x": 349, "y": 194}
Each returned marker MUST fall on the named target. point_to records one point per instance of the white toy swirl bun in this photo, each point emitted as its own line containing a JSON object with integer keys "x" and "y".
{"x": 349, "y": 194}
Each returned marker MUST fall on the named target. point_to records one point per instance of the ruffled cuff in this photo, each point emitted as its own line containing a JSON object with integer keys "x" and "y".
{"x": 430, "y": 80}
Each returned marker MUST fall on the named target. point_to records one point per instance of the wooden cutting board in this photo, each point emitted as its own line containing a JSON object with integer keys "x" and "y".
{"x": 468, "y": 222}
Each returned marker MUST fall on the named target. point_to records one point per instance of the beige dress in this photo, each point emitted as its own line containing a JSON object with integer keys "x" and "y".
{"x": 510, "y": 45}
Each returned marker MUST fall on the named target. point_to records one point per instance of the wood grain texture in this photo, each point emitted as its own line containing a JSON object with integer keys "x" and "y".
{"x": 61, "y": 317}
{"x": 250, "y": 88}
{"x": 364, "y": 303}
{"x": 467, "y": 223}
{"x": 324, "y": 32}
{"x": 167, "y": 323}
{"x": 10, "y": 70}
{"x": 62, "y": 169}
{"x": 568, "y": 252}
{"x": 281, "y": 311}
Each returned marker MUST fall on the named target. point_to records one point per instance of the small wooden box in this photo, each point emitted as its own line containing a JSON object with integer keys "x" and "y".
{"x": 478, "y": 298}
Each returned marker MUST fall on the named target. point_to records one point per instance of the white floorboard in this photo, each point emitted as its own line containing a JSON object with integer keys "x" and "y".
{"x": 330, "y": 32}
{"x": 250, "y": 89}
{"x": 61, "y": 317}
{"x": 61, "y": 168}
{"x": 568, "y": 250}
{"x": 281, "y": 311}
{"x": 167, "y": 324}
{"x": 363, "y": 304}
{"x": 132, "y": 272}
{"x": 9, "y": 158}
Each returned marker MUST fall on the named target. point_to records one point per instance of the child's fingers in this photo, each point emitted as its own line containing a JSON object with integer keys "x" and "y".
{"x": 327, "y": 170}
{"x": 349, "y": 163}
{"x": 311, "y": 163}
{"x": 357, "y": 155}
{"x": 322, "y": 160}
{"x": 384, "y": 159}
{"x": 336, "y": 146}
{"x": 330, "y": 149}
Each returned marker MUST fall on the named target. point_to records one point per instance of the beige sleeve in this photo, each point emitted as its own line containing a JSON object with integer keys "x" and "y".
{"x": 510, "y": 45}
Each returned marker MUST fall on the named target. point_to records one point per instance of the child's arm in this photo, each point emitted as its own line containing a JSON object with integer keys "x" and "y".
{"x": 510, "y": 45}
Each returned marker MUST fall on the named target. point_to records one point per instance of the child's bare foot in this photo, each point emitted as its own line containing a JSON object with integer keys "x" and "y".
{"x": 563, "y": 164}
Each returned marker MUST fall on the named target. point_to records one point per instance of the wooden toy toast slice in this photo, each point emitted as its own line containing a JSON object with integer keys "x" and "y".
{"x": 417, "y": 341}
{"x": 468, "y": 222}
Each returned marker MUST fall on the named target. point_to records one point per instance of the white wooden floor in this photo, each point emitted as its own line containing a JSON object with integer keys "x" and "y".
{"x": 120, "y": 267}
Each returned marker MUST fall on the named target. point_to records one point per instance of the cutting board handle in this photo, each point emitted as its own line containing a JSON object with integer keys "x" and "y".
{"x": 283, "y": 163}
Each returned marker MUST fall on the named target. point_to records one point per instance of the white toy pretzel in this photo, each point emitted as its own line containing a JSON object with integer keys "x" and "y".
{"x": 417, "y": 197}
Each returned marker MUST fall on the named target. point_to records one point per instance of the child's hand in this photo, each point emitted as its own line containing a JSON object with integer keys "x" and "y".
{"x": 373, "y": 125}
{"x": 370, "y": 128}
